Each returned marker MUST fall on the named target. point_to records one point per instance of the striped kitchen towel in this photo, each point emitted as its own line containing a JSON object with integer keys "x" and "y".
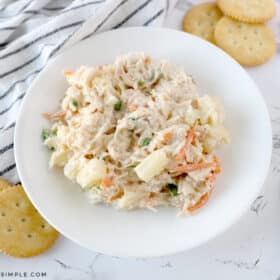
{"x": 33, "y": 31}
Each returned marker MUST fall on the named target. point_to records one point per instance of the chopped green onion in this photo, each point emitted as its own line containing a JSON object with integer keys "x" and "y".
{"x": 141, "y": 83}
{"x": 52, "y": 149}
{"x": 106, "y": 157}
{"x": 152, "y": 77}
{"x": 173, "y": 189}
{"x": 160, "y": 76}
{"x": 132, "y": 165}
{"x": 45, "y": 134}
{"x": 75, "y": 104}
{"x": 146, "y": 141}
{"x": 118, "y": 106}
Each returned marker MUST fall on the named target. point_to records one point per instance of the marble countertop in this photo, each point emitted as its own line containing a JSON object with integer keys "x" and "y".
{"x": 248, "y": 250}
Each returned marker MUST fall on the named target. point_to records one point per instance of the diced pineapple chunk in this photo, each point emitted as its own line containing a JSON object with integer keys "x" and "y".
{"x": 191, "y": 115}
{"x": 92, "y": 173}
{"x": 130, "y": 199}
{"x": 220, "y": 133}
{"x": 207, "y": 108}
{"x": 152, "y": 165}
{"x": 72, "y": 168}
{"x": 62, "y": 131}
{"x": 58, "y": 158}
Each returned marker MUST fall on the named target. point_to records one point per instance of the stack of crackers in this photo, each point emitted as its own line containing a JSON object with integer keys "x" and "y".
{"x": 23, "y": 232}
{"x": 236, "y": 26}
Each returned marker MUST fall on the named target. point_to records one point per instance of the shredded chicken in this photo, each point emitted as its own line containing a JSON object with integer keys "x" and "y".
{"x": 136, "y": 134}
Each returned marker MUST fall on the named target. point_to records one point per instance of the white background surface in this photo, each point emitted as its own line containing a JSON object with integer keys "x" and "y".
{"x": 248, "y": 250}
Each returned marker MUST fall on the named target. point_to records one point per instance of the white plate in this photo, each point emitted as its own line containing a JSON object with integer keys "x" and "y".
{"x": 141, "y": 233}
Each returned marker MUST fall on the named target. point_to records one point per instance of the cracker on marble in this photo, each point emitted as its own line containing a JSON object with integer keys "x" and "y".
{"x": 250, "y": 44}
{"x": 4, "y": 184}
{"x": 201, "y": 20}
{"x": 252, "y": 11}
{"x": 23, "y": 232}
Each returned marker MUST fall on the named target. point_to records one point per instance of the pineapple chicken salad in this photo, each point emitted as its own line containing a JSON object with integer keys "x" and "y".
{"x": 136, "y": 134}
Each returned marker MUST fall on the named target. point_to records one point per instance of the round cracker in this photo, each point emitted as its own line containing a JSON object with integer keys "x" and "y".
{"x": 250, "y": 44}
{"x": 23, "y": 232}
{"x": 201, "y": 20}
{"x": 4, "y": 184}
{"x": 252, "y": 11}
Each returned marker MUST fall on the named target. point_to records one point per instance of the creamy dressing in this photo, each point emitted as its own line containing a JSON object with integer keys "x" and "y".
{"x": 137, "y": 135}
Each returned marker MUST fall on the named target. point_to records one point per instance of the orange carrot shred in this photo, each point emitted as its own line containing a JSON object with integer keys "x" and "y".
{"x": 88, "y": 156}
{"x": 55, "y": 116}
{"x": 166, "y": 137}
{"x": 218, "y": 165}
{"x": 188, "y": 141}
{"x": 203, "y": 199}
{"x": 106, "y": 182}
{"x": 67, "y": 72}
{"x": 193, "y": 167}
{"x": 115, "y": 197}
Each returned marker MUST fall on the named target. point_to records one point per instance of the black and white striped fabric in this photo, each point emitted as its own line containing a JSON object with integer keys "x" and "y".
{"x": 33, "y": 31}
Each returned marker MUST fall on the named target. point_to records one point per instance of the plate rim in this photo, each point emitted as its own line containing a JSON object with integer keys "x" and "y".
{"x": 198, "y": 243}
